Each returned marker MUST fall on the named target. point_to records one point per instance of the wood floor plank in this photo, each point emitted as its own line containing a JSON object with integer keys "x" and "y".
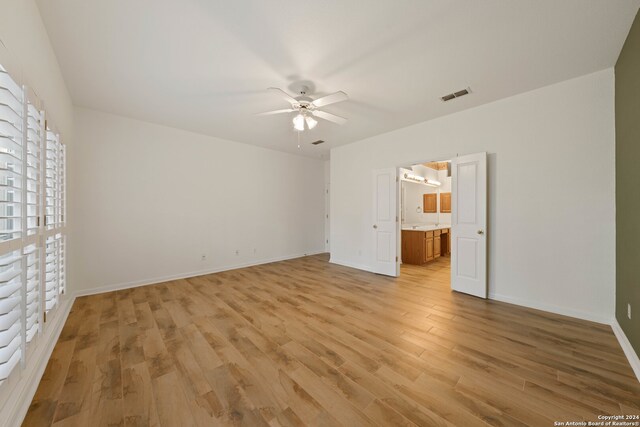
{"x": 78, "y": 383}
{"x": 139, "y": 406}
{"x": 305, "y": 342}
{"x": 171, "y": 403}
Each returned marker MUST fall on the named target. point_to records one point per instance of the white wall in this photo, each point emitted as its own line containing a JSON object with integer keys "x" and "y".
{"x": 27, "y": 54}
{"x": 33, "y": 62}
{"x": 151, "y": 200}
{"x": 550, "y": 236}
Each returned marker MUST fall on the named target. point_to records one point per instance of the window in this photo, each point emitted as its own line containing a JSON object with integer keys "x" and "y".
{"x": 32, "y": 218}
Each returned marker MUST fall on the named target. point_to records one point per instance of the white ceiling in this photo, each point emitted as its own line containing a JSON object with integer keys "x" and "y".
{"x": 204, "y": 65}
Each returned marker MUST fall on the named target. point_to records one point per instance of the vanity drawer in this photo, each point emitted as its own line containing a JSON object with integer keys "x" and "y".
{"x": 437, "y": 232}
{"x": 429, "y": 234}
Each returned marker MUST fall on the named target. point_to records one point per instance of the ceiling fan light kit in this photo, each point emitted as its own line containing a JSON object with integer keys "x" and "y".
{"x": 300, "y": 120}
{"x": 307, "y": 108}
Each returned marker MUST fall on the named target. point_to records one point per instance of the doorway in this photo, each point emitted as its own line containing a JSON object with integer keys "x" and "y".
{"x": 425, "y": 219}
{"x": 440, "y": 213}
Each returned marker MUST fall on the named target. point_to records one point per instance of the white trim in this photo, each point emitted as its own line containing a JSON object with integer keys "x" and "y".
{"x": 153, "y": 281}
{"x": 632, "y": 356}
{"x": 18, "y": 402}
{"x": 351, "y": 264}
{"x": 605, "y": 320}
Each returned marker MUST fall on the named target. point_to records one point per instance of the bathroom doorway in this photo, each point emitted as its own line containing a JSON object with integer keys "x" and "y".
{"x": 465, "y": 224}
{"x": 425, "y": 219}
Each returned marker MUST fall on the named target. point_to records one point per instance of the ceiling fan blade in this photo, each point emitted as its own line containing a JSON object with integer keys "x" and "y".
{"x": 269, "y": 113}
{"x": 331, "y": 117}
{"x": 290, "y": 99}
{"x": 330, "y": 99}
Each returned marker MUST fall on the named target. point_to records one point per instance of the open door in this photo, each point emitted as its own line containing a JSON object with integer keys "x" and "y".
{"x": 469, "y": 224}
{"x": 385, "y": 222}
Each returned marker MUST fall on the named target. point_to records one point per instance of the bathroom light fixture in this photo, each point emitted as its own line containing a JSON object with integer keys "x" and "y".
{"x": 422, "y": 180}
{"x": 412, "y": 177}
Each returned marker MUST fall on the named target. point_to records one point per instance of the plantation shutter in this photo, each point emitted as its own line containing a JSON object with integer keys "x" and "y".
{"x": 12, "y": 298}
{"x": 11, "y": 309}
{"x": 33, "y": 173}
{"x": 52, "y": 181}
{"x": 11, "y": 141}
{"x": 32, "y": 223}
{"x": 52, "y": 273}
{"x": 33, "y": 293}
{"x": 62, "y": 276}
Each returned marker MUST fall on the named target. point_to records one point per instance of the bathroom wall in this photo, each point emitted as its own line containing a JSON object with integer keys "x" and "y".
{"x": 413, "y": 200}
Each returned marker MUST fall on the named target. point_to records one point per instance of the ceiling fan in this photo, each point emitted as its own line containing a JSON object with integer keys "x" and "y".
{"x": 308, "y": 108}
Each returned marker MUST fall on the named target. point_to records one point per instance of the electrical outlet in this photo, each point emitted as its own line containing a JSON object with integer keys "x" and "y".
{"x": 203, "y": 257}
{"x": 629, "y": 311}
{"x": 255, "y": 251}
{"x": 237, "y": 251}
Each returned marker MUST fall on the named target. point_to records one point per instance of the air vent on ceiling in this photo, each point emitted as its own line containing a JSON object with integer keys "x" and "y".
{"x": 457, "y": 94}
{"x": 318, "y": 142}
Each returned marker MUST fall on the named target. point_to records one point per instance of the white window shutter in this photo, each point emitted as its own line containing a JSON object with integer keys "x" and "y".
{"x": 11, "y": 152}
{"x": 11, "y": 309}
{"x": 12, "y": 299}
{"x": 33, "y": 292}
{"x": 32, "y": 223}
{"x": 52, "y": 273}
{"x": 35, "y": 121}
{"x": 62, "y": 276}
{"x": 52, "y": 180}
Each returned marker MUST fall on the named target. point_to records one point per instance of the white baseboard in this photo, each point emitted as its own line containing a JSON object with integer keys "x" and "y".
{"x": 17, "y": 402}
{"x": 350, "y": 264}
{"x": 155, "y": 280}
{"x": 598, "y": 318}
{"x": 634, "y": 361}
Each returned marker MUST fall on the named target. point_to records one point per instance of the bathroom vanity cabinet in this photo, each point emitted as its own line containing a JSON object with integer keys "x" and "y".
{"x": 422, "y": 246}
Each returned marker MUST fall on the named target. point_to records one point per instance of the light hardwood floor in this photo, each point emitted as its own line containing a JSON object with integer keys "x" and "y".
{"x": 305, "y": 342}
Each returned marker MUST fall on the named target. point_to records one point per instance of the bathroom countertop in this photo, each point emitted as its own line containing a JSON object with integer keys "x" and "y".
{"x": 425, "y": 227}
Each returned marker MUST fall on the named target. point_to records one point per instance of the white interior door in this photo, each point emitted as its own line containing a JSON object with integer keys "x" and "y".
{"x": 469, "y": 224}
{"x": 385, "y": 222}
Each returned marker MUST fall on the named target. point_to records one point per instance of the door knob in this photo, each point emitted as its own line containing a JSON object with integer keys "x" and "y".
{"x": 375, "y": 226}
{"x": 480, "y": 231}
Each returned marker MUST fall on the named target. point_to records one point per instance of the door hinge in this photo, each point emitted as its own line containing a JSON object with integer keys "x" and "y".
{"x": 396, "y": 259}
{"x": 37, "y": 221}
